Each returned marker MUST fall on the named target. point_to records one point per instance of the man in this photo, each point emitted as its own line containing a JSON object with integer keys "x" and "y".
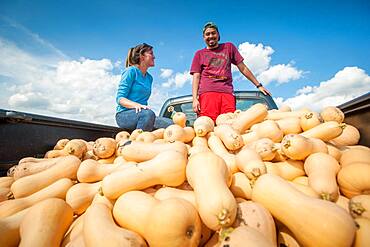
{"x": 212, "y": 78}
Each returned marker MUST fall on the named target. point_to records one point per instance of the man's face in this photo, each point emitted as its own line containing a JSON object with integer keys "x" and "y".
{"x": 211, "y": 36}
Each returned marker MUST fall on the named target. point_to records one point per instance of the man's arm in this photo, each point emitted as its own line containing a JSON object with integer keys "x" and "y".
{"x": 195, "y": 87}
{"x": 249, "y": 75}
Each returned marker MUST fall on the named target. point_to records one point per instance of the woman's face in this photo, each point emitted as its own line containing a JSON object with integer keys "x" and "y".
{"x": 148, "y": 58}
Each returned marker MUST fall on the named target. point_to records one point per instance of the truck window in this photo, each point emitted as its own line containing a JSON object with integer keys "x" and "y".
{"x": 244, "y": 104}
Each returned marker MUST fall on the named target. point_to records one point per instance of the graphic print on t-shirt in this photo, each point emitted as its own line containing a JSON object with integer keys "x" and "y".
{"x": 217, "y": 63}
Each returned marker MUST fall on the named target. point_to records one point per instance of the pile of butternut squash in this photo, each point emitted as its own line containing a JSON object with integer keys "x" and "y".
{"x": 253, "y": 178}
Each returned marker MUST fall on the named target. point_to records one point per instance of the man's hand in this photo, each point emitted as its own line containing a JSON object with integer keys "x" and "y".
{"x": 264, "y": 90}
{"x": 196, "y": 106}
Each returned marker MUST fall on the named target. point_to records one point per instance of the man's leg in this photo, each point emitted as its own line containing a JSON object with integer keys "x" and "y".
{"x": 228, "y": 103}
{"x": 210, "y": 104}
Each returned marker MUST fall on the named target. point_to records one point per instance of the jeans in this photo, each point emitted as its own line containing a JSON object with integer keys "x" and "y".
{"x": 145, "y": 119}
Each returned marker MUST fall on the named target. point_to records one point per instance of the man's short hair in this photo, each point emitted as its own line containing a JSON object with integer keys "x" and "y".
{"x": 210, "y": 25}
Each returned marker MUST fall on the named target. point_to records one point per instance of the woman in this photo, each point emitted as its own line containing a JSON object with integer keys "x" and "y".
{"x": 134, "y": 91}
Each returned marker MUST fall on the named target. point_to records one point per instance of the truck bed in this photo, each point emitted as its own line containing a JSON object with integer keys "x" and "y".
{"x": 30, "y": 135}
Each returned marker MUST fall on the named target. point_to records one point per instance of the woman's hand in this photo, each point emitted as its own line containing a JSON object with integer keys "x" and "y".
{"x": 196, "y": 105}
{"x": 138, "y": 107}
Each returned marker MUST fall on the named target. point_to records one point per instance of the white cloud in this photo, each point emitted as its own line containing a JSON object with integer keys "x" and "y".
{"x": 305, "y": 90}
{"x": 256, "y": 57}
{"x": 281, "y": 73}
{"x": 165, "y": 73}
{"x": 258, "y": 60}
{"x": 178, "y": 80}
{"x": 81, "y": 89}
{"x": 346, "y": 84}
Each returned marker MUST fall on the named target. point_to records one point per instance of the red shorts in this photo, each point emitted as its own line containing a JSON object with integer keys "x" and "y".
{"x": 213, "y": 104}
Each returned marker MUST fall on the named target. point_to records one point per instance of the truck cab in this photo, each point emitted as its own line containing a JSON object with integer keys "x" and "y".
{"x": 244, "y": 100}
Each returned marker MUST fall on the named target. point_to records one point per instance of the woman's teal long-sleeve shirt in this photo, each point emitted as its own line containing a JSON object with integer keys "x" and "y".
{"x": 134, "y": 86}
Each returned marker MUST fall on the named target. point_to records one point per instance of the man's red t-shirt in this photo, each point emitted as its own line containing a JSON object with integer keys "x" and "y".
{"x": 214, "y": 66}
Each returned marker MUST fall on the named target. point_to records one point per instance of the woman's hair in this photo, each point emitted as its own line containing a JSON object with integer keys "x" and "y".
{"x": 133, "y": 56}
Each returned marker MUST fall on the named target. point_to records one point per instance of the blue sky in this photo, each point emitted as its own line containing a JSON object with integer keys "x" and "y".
{"x": 64, "y": 58}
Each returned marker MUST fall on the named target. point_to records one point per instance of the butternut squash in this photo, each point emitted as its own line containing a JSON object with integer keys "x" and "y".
{"x": 216, "y": 145}
{"x": 225, "y": 118}
{"x": 179, "y": 118}
{"x": 9, "y": 229}
{"x": 322, "y": 170}
{"x": 230, "y": 138}
{"x": 334, "y": 151}
{"x": 189, "y": 134}
{"x": 46, "y": 223}
{"x": 285, "y": 108}
{"x": 241, "y": 186}
{"x": 33, "y": 165}
{"x": 80, "y": 196}
{"x": 250, "y": 136}
{"x": 362, "y": 238}
{"x": 57, "y": 189}
{"x": 108, "y": 160}
{"x": 276, "y": 115}
{"x": 64, "y": 168}
{"x": 285, "y": 237}
{"x": 134, "y": 134}
{"x": 301, "y": 180}
{"x": 343, "y": 202}
{"x": 245, "y": 234}
{"x": 250, "y": 163}
{"x": 359, "y": 206}
{"x": 307, "y": 190}
{"x": 61, "y": 144}
{"x": 256, "y": 216}
{"x": 289, "y": 125}
{"x": 99, "y": 229}
{"x": 203, "y": 125}
{"x": 173, "y": 133}
{"x": 6, "y": 182}
{"x": 76, "y": 147}
{"x": 355, "y": 155}
{"x": 168, "y": 192}
{"x": 122, "y": 135}
{"x": 310, "y": 120}
{"x": 318, "y": 146}
{"x": 74, "y": 232}
{"x": 167, "y": 168}
{"x": 296, "y": 147}
{"x": 325, "y": 131}
{"x": 269, "y": 129}
{"x": 216, "y": 204}
{"x": 146, "y": 137}
{"x": 139, "y": 151}
{"x": 104, "y": 147}
{"x": 245, "y": 119}
{"x": 288, "y": 169}
{"x": 158, "y": 133}
{"x": 350, "y": 136}
{"x": 91, "y": 171}
{"x": 332, "y": 113}
{"x": 354, "y": 179}
{"x": 294, "y": 209}
{"x": 176, "y": 218}
{"x": 265, "y": 147}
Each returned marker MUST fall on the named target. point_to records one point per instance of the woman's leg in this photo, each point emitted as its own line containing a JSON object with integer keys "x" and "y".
{"x": 145, "y": 120}
{"x": 127, "y": 120}
{"x": 162, "y": 122}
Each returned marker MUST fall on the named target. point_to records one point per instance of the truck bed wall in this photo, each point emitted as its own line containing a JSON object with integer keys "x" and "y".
{"x": 27, "y": 135}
